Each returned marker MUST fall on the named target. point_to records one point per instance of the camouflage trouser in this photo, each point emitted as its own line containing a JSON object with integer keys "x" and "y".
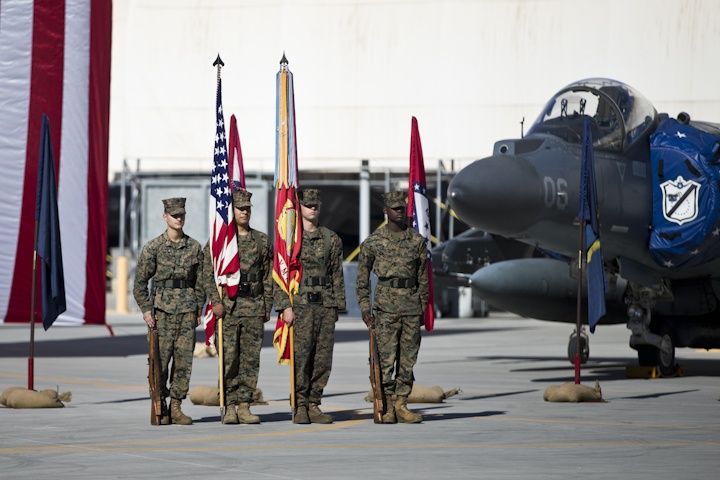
{"x": 242, "y": 341}
{"x": 176, "y": 336}
{"x": 398, "y": 339}
{"x": 314, "y": 342}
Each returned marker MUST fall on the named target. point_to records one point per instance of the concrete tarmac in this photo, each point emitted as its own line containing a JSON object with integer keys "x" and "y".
{"x": 498, "y": 427}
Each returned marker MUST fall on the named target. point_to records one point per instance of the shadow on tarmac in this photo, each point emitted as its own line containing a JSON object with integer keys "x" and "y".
{"x": 602, "y": 368}
{"x": 127, "y": 345}
{"x": 493, "y": 395}
{"x": 354, "y": 415}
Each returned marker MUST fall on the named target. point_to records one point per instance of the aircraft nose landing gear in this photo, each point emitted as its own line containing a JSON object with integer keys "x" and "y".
{"x": 584, "y": 346}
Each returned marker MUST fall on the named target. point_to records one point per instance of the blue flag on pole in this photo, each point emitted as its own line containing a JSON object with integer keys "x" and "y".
{"x": 589, "y": 212}
{"x": 48, "y": 233}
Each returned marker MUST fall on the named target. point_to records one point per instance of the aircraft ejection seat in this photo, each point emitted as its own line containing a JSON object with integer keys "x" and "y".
{"x": 609, "y": 131}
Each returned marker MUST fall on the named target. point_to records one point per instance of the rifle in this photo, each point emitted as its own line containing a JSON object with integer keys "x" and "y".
{"x": 376, "y": 376}
{"x": 154, "y": 375}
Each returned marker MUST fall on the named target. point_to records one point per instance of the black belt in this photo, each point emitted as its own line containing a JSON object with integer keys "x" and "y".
{"x": 397, "y": 282}
{"x": 249, "y": 277}
{"x": 317, "y": 281}
{"x": 172, "y": 284}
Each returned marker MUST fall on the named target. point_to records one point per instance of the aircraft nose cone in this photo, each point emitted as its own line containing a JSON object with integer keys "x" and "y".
{"x": 499, "y": 194}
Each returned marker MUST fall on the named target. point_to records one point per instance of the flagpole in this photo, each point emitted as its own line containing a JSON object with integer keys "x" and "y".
{"x": 31, "y": 358}
{"x": 288, "y": 228}
{"x": 218, "y": 325}
{"x": 578, "y": 316}
{"x": 221, "y": 365}
{"x": 291, "y": 339}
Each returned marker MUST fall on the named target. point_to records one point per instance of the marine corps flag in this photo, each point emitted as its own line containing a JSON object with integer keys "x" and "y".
{"x": 588, "y": 215}
{"x": 419, "y": 210}
{"x": 288, "y": 227}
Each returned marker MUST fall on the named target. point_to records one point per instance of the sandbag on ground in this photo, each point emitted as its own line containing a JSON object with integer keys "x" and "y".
{"x": 571, "y": 392}
{"x": 423, "y": 394}
{"x": 19, "y": 397}
{"x": 6, "y": 393}
{"x": 204, "y": 351}
{"x": 210, "y": 396}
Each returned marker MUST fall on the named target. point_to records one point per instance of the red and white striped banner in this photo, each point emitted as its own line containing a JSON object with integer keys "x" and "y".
{"x": 55, "y": 59}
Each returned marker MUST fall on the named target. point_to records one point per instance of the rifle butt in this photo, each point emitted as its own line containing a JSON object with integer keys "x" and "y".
{"x": 376, "y": 380}
{"x": 154, "y": 375}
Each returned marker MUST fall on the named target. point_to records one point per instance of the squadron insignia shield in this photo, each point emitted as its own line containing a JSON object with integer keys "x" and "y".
{"x": 680, "y": 200}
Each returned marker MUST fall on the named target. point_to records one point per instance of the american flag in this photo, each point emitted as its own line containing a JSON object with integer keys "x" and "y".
{"x": 223, "y": 239}
{"x": 55, "y": 59}
{"x": 419, "y": 209}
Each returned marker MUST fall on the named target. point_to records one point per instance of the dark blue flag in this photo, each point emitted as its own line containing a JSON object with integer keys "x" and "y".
{"x": 589, "y": 213}
{"x": 48, "y": 232}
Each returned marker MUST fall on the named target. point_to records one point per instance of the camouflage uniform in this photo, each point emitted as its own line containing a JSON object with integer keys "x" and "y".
{"x": 399, "y": 260}
{"x": 315, "y": 322}
{"x": 174, "y": 268}
{"x": 246, "y": 313}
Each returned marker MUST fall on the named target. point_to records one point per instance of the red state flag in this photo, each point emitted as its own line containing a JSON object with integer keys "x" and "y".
{"x": 419, "y": 210}
{"x": 235, "y": 162}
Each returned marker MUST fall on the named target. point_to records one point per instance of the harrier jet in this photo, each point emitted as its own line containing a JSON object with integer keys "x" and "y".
{"x": 658, "y": 196}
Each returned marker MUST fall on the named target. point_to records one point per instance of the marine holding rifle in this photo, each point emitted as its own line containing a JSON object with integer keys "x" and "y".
{"x": 245, "y": 314}
{"x": 315, "y": 309}
{"x": 173, "y": 261}
{"x": 398, "y": 257}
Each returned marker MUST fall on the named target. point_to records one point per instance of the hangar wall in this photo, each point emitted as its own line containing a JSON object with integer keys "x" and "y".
{"x": 468, "y": 70}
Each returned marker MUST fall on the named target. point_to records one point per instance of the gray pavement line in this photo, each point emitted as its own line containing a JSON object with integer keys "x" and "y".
{"x": 382, "y": 447}
{"x": 615, "y": 424}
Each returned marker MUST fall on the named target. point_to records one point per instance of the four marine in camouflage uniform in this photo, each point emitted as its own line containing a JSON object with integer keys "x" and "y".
{"x": 243, "y": 316}
{"x": 173, "y": 261}
{"x": 398, "y": 256}
{"x": 315, "y": 310}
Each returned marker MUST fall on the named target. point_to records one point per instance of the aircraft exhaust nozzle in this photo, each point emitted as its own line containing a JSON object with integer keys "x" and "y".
{"x": 499, "y": 194}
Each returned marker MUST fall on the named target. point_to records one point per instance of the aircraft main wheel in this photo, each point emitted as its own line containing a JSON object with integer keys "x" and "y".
{"x": 651, "y": 356}
{"x": 584, "y": 349}
{"x": 666, "y": 361}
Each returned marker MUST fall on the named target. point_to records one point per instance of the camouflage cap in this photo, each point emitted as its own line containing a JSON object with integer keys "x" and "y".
{"x": 174, "y": 206}
{"x": 310, "y": 196}
{"x": 395, "y": 199}
{"x": 241, "y": 198}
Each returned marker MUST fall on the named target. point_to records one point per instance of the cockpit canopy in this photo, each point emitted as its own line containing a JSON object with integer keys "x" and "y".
{"x": 618, "y": 114}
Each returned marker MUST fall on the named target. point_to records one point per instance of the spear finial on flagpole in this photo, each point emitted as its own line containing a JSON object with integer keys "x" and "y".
{"x": 283, "y": 62}
{"x": 219, "y": 63}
